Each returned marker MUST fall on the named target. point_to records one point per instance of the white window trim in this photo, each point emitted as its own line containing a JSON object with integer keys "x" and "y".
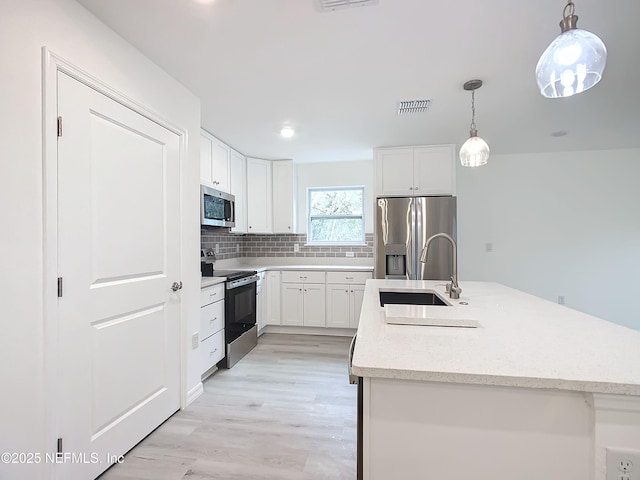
{"x": 355, "y": 243}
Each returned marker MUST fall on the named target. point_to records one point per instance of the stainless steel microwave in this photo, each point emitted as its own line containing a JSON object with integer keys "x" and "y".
{"x": 217, "y": 209}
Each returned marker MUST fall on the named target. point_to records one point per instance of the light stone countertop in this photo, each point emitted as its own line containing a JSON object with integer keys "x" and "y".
{"x": 522, "y": 341}
{"x": 209, "y": 281}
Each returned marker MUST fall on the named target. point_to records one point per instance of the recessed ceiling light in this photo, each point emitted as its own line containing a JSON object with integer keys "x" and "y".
{"x": 559, "y": 133}
{"x": 287, "y": 132}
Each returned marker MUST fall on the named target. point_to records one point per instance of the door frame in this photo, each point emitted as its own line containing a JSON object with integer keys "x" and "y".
{"x": 51, "y": 65}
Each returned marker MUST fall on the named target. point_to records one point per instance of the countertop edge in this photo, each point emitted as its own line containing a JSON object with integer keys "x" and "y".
{"x": 496, "y": 380}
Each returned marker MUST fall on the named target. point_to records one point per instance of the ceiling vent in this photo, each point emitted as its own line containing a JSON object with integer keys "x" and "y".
{"x": 331, "y": 5}
{"x": 413, "y": 106}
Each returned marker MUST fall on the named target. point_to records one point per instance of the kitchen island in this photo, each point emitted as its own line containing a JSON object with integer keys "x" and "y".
{"x": 536, "y": 391}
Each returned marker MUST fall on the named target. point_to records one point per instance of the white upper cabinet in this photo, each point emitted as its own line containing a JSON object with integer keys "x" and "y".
{"x": 214, "y": 162}
{"x": 237, "y": 183}
{"x": 283, "y": 197}
{"x": 394, "y": 171}
{"x": 259, "y": 196}
{"x": 415, "y": 171}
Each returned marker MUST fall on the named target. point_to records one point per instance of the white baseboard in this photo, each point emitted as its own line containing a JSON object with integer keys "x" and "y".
{"x": 334, "y": 332}
{"x": 194, "y": 393}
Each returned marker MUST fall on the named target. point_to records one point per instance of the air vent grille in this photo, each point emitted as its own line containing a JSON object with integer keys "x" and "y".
{"x": 413, "y": 106}
{"x": 331, "y": 5}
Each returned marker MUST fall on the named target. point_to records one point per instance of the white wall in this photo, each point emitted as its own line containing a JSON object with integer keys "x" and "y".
{"x": 335, "y": 174}
{"x": 561, "y": 224}
{"x": 70, "y": 31}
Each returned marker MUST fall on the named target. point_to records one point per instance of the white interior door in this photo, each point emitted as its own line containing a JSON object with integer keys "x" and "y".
{"x": 118, "y": 254}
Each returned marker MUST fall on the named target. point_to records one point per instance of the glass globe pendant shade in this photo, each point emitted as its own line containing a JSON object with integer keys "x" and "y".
{"x": 474, "y": 152}
{"x": 573, "y": 63}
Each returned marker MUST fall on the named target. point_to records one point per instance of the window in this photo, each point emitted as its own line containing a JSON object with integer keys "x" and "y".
{"x": 335, "y": 215}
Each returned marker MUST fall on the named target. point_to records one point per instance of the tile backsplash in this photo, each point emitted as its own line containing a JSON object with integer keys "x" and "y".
{"x": 237, "y": 246}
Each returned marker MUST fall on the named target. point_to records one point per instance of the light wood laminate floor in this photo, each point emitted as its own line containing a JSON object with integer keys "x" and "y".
{"x": 286, "y": 411}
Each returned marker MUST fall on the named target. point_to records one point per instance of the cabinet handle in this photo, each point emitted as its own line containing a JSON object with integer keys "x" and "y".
{"x": 300, "y": 289}
{"x": 346, "y": 291}
{"x": 213, "y": 320}
{"x": 305, "y": 289}
{"x": 214, "y": 351}
{"x": 349, "y": 278}
{"x": 213, "y": 294}
{"x": 417, "y": 188}
{"x": 410, "y": 188}
{"x": 250, "y": 226}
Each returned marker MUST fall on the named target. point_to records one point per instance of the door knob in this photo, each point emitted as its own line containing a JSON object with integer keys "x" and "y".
{"x": 176, "y": 286}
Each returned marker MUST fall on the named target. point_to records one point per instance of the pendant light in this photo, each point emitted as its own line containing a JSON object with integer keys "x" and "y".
{"x": 574, "y": 62}
{"x": 475, "y": 151}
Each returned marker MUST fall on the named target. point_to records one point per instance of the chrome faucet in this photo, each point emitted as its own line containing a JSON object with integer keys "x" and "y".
{"x": 453, "y": 288}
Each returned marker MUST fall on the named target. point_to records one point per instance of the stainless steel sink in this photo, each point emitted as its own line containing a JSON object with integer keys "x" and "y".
{"x": 411, "y": 298}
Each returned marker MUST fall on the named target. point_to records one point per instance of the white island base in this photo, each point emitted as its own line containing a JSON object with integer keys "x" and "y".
{"x": 426, "y": 430}
{"x": 536, "y": 392}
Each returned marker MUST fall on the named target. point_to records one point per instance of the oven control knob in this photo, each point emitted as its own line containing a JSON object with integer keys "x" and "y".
{"x": 176, "y": 286}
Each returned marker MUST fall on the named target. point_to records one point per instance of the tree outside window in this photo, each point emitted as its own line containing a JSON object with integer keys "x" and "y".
{"x": 335, "y": 215}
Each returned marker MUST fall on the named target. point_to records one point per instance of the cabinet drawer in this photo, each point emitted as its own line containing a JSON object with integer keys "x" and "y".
{"x": 303, "y": 277}
{"x": 351, "y": 278}
{"x": 211, "y": 294}
{"x": 211, "y": 319}
{"x": 211, "y": 351}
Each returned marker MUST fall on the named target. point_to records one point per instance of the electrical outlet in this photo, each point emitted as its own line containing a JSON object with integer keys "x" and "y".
{"x": 217, "y": 249}
{"x": 561, "y": 299}
{"x": 296, "y": 247}
{"x": 488, "y": 247}
{"x": 623, "y": 464}
{"x": 349, "y": 254}
{"x": 195, "y": 341}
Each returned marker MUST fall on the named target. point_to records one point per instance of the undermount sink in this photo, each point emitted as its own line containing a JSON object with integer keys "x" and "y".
{"x": 411, "y": 298}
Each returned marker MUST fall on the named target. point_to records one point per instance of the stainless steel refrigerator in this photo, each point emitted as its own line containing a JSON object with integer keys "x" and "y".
{"x": 403, "y": 225}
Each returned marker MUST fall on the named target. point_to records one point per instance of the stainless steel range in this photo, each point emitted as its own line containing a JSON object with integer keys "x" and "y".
{"x": 241, "y": 331}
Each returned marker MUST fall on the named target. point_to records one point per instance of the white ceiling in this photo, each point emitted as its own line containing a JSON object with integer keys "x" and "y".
{"x": 337, "y": 76}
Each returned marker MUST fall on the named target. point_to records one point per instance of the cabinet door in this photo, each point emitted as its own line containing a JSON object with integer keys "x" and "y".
{"x": 237, "y": 182}
{"x": 211, "y": 351}
{"x": 338, "y": 306}
{"x": 273, "y": 298}
{"x": 220, "y": 165}
{"x": 394, "y": 171}
{"x": 260, "y": 304}
{"x": 315, "y": 305}
{"x": 259, "y": 201}
{"x": 206, "y": 156}
{"x": 434, "y": 170}
{"x": 355, "y": 305}
{"x": 283, "y": 197}
{"x": 292, "y": 304}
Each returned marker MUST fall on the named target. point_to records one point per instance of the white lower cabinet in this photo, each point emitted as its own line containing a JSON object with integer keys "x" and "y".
{"x": 318, "y": 299}
{"x": 314, "y": 305}
{"x": 273, "y": 298}
{"x": 303, "y": 302}
{"x": 345, "y": 291}
{"x": 292, "y": 304}
{"x": 261, "y": 301}
{"x": 211, "y": 349}
{"x": 356, "y": 297}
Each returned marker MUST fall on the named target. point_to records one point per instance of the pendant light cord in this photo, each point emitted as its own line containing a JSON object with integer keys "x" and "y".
{"x": 473, "y": 109}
